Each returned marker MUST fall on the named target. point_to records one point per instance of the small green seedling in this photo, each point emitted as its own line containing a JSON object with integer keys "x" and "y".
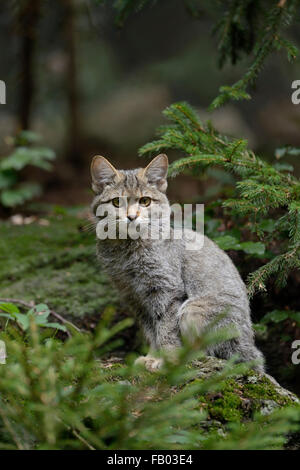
{"x": 39, "y": 314}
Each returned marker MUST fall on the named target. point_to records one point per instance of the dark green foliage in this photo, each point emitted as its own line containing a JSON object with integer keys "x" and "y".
{"x": 277, "y": 316}
{"x": 243, "y": 28}
{"x": 267, "y": 195}
{"x": 57, "y": 395}
{"x": 12, "y": 191}
{"x": 125, "y": 7}
{"x": 253, "y": 26}
{"x": 38, "y": 314}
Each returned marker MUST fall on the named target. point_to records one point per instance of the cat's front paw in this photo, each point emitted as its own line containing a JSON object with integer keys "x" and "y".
{"x": 149, "y": 362}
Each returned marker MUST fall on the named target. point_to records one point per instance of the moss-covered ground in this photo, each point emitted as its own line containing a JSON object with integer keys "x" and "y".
{"x": 239, "y": 399}
{"x": 54, "y": 264}
{"x": 235, "y": 400}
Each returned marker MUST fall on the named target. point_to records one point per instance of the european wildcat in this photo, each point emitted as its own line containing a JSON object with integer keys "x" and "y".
{"x": 173, "y": 291}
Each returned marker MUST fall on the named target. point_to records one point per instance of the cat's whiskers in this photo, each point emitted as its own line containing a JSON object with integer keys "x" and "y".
{"x": 91, "y": 224}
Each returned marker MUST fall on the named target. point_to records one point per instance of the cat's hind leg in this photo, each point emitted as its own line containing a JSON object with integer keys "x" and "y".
{"x": 194, "y": 317}
{"x": 200, "y": 315}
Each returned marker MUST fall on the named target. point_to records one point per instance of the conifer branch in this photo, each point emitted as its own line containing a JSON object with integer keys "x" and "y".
{"x": 243, "y": 28}
{"x": 261, "y": 188}
{"x": 279, "y": 18}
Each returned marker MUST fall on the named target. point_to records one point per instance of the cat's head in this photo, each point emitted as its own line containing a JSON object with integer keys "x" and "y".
{"x": 131, "y": 196}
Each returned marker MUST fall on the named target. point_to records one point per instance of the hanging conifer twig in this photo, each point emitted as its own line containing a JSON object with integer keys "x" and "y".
{"x": 262, "y": 189}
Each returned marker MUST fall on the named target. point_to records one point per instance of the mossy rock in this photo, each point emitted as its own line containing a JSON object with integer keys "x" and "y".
{"x": 54, "y": 264}
{"x": 237, "y": 399}
{"x": 241, "y": 396}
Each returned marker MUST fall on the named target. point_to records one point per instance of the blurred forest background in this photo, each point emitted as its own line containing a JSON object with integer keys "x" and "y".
{"x": 88, "y": 87}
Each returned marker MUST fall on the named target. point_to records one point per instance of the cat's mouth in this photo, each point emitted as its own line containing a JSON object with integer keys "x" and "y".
{"x": 133, "y": 222}
{"x": 126, "y": 228}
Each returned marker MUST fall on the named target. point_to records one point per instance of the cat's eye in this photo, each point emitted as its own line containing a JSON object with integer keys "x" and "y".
{"x": 145, "y": 201}
{"x": 116, "y": 201}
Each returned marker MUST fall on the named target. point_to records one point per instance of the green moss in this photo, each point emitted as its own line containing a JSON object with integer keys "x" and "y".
{"x": 224, "y": 405}
{"x": 55, "y": 264}
{"x": 227, "y": 407}
{"x": 238, "y": 399}
{"x": 265, "y": 390}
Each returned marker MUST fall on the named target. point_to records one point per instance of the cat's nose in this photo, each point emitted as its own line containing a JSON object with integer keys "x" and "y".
{"x": 131, "y": 216}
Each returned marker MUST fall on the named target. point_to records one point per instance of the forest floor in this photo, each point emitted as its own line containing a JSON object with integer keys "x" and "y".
{"x": 52, "y": 259}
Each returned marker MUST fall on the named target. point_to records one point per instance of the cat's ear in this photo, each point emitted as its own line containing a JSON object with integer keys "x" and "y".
{"x": 103, "y": 173}
{"x": 156, "y": 172}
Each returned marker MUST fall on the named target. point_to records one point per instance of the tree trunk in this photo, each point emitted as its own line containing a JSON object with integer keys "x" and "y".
{"x": 28, "y": 17}
{"x": 73, "y": 150}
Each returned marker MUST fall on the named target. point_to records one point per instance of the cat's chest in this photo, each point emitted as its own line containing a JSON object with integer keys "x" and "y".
{"x": 143, "y": 269}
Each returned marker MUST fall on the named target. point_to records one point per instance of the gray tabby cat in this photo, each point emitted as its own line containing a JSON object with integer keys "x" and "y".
{"x": 173, "y": 291}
